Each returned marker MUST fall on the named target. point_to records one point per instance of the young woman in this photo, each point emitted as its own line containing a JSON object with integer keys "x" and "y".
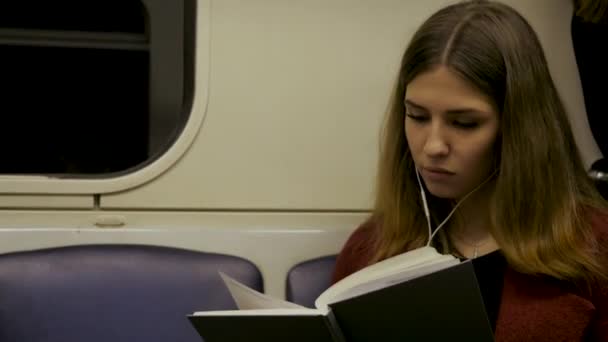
{"x": 478, "y": 149}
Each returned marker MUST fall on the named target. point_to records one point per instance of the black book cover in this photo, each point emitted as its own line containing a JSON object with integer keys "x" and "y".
{"x": 293, "y": 328}
{"x": 441, "y": 306}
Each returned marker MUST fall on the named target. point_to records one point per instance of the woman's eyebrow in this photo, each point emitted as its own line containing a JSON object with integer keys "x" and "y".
{"x": 414, "y": 105}
{"x": 465, "y": 110}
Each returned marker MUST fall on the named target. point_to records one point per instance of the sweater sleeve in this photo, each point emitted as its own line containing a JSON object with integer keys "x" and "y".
{"x": 356, "y": 252}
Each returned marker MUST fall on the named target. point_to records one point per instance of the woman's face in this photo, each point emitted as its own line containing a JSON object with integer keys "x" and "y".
{"x": 451, "y": 128}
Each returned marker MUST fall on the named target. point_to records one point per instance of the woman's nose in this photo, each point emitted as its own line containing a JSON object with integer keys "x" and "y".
{"x": 436, "y": 144}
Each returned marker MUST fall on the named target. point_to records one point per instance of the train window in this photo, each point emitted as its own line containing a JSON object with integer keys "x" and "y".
{"x": 93, "y": 87}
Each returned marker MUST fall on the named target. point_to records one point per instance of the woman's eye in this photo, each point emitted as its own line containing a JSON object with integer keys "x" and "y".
{"x": 465, "y": 124}
{"x": 415, "y": 117}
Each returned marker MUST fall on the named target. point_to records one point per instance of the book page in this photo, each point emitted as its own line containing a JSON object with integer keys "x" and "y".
{"x": 392, "y": 279}
{"x": 399, "y": 267}
{"x": 247, "y": 298}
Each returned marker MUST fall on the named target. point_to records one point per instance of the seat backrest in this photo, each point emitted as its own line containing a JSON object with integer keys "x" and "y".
{"x": 308, "y": 279}
{"x": 115, "y": 293}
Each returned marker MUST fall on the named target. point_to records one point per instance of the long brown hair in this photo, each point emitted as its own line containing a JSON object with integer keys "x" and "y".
{"x": 542, "y": 194}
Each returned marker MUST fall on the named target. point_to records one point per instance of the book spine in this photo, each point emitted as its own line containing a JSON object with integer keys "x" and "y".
{"x": 334, "y": 328}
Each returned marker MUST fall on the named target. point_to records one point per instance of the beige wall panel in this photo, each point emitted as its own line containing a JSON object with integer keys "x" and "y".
{"x": 297, "y": 92}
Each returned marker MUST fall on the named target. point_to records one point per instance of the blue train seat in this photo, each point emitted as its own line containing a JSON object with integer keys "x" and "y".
{"x": 118, "y": 293}
{"x": 308, "y": 279}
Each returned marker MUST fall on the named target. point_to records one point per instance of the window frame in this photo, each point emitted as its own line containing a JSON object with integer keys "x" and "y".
{"x": 195, "y": 71}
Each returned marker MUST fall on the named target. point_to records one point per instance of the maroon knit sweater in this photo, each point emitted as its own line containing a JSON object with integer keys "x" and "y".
{"x": 531, "y": 308}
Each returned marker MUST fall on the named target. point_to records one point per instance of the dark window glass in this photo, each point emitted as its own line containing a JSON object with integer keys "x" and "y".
{"x": 84, "y": 80}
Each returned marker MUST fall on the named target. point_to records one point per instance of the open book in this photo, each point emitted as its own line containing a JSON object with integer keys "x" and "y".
{"x": 420, "y": 294}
